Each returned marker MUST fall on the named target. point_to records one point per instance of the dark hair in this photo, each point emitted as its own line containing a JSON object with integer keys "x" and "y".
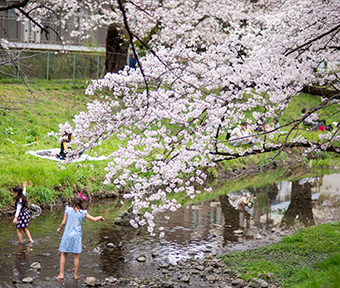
{"x": 243, "y": 124}
{"x": 304, "y": 110}
{"x": 18, "y": 190}
{"x": 78, "y": 202}
{"x": 68, "y": 138}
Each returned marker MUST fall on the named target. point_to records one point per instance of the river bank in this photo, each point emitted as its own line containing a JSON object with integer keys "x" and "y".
{"x": 292, "y": 166}
{"x": 196, "y": 236}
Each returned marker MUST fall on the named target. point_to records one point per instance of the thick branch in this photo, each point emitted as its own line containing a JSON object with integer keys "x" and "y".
{"x": 15, "y": 5}
{"x": 229, "y": 156}
{"x": 324, "y": 92}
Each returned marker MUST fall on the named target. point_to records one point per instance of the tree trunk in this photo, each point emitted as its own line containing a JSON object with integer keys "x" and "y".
{"x": 116, "y": 51}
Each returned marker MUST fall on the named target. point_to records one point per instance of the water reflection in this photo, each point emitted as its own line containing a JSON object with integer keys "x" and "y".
{"x": 252, "y": 213}
{"x": 193, "y": 231}
{"x": 300, "y": 207}
{"x": 21, "y": 265}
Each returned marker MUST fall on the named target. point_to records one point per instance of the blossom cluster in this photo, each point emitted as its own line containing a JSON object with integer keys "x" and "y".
{"x": 213, "y": 64}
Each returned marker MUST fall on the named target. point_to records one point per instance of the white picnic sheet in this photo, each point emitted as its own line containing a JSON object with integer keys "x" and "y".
{"x": 50, "y": 154}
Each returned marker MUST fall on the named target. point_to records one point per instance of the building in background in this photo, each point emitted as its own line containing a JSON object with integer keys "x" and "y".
{"x": 24, "y": 34}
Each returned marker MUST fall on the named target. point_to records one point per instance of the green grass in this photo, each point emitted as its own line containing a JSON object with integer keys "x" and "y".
{"x": 309, "y": 258}
{"x": 41, "y": 107}
{"x": 44, "y": 104}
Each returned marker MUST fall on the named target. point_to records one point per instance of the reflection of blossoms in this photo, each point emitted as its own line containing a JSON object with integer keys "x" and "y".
{"x": 307, "y": 180}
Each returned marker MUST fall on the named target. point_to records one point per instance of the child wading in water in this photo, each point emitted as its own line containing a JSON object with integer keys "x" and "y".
{"x": 71, "y": 240}
{"x": 22, "y": 215}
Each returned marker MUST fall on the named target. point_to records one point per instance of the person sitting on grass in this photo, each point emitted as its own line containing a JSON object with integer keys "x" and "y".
{"x": 311, "y": 120}
{"x": 275, "y": 125}
{"x": 240, "y": 135}
{"x": 65, "y": 146}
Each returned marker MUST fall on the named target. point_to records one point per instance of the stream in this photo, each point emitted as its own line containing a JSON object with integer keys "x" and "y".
{"x": 216, "y": 226}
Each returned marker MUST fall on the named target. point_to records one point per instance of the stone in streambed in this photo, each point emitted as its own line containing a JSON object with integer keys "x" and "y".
{"x": 36, "y": 265}
{"x": 27, "y": 280}
{"x": 90, "y": 281}
{"x": 141, "y": 258}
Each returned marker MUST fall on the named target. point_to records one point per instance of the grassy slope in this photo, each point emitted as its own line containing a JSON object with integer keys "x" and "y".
{"x": 303, "y": 100}
{"x": 40, "y": 110}
{"x": 49, "y": 103}
{"x": 309, "y": 258}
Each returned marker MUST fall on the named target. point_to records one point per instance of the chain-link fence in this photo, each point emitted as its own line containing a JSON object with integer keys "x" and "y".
{"x": 53, "y": 65}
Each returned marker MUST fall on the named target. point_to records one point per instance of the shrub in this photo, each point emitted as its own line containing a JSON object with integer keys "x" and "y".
{"x": 5, "y": 198}
{"x": 42, "y": 194}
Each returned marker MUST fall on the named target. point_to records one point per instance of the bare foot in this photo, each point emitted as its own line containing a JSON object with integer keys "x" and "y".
{"x": 31, "y": 241}
{"x": 76, "y": 277}
{"x": 60, "y": 277}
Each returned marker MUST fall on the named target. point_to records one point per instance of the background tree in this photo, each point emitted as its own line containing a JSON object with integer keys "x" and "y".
{"x": 116, "y": 50}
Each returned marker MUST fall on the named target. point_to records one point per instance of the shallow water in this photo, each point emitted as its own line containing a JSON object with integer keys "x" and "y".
{"x": 193, "y": 231}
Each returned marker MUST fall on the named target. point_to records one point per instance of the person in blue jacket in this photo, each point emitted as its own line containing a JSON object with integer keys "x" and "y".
{"x": 132, "y": 61}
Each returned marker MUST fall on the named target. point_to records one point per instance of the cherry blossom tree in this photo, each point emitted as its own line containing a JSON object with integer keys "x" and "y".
{"x": 209, "y": 65}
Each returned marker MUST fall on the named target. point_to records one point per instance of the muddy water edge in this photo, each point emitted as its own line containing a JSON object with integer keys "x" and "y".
{"x": 212, "y": 227}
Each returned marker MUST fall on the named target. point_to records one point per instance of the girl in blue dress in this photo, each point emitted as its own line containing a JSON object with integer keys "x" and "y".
{"x": 22, "y": 215}
{"x": 71, "y": 240}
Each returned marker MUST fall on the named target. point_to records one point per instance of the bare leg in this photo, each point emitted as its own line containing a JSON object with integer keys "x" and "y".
{"x": 28, "y": 234}
{"x": 62, "y": 265}
{"x": 76, "y": 265}
{"x": 19, "y": 235}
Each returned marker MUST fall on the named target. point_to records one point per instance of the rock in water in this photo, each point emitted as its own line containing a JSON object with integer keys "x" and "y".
{"x": 27, "y": 280}
{"x": 141, "y": 258}
{"x": 90, "y": 281}
{"x": 36, "y": 265}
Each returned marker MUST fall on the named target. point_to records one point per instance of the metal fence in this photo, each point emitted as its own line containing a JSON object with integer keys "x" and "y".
{"x": 53, "y": 65}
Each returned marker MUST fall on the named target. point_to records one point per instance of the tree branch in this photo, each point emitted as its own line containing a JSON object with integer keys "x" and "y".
{"x": 324, "y": 92}
{"x": 8, "y": 108}
{"x": 229, "y": 156}
{"x": 313, "y": 40}
{"x": 16, "y": 5}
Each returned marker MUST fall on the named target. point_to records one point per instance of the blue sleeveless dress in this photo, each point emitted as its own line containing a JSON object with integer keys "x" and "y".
{"x": 72, "y": 236}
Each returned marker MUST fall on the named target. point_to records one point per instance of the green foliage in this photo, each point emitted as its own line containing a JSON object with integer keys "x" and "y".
{"x": 309, "y": 258}
{"x": 68, "y": 192}
{"x": 42, "y": 194}
{"x": 40, "y": 110}
{"x": 6, "y": 198}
